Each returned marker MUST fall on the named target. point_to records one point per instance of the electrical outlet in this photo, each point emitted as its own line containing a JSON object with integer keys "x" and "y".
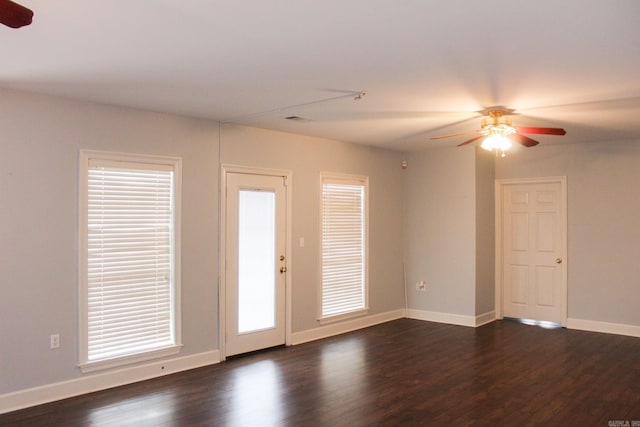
{"x": 54, "y": 341}
{"x": 421, "y": 285}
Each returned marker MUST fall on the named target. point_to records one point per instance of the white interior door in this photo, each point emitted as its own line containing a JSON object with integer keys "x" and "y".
{"x": 255, "y": 267}
{"x": 533, "y": 239}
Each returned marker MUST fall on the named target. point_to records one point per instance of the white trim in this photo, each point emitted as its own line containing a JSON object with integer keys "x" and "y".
{"x": 104, "y": 380}
{"x": 119, "y": 156}
{"x": 499, "y": 183}
{"x": 129, "y": 359}
{"x": 435, "y": 316}
{"x": 604, "y": 327}
{"x": 344, "y": 316}
{"x": 452, "y": 319}
{"x": 484, "y": 318}
{"x": 288, "y": 176}
{"x": 346, "y": 326}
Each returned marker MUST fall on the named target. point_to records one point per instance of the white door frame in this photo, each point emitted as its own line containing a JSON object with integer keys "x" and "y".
{"x": 226, "y": 169}
{"x": 499, "y": 184}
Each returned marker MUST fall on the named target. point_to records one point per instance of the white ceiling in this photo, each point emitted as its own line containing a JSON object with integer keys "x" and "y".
{"x": 427, "y": 66}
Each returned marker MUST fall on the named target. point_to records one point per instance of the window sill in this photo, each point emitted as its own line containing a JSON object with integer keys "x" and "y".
{"x": 101, "y": 365}
{"x": 340, "y": 317}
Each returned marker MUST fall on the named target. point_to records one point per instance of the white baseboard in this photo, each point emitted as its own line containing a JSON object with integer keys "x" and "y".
{"x": 604, "y": 327}
{"x": 452, "y": 319}
{"x": 345, "y": 326}
{"x": 484, "y": 318}
{"x": 95, "y": 382}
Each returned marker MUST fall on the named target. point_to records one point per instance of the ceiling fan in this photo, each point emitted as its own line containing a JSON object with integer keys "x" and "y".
{"x": 498, "y": 133}
{"x": 14, "y": 15}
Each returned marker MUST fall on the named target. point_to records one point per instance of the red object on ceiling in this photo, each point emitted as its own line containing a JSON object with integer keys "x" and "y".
{"x": 14, "y": 15}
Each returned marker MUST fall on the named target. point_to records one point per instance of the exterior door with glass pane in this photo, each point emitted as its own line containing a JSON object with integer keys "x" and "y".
{"x": 255, "y": 268}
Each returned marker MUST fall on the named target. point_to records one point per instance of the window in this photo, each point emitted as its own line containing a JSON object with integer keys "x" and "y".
{"x": 129, "y": 258}
{"x": 344, "y": 245}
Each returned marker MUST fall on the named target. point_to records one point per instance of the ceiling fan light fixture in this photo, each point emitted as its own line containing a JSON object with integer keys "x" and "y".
{"x": 497, "y": 128}
{"x": 496, "y": 141}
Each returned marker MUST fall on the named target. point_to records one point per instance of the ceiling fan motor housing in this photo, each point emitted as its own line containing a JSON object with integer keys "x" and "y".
{"x": 496, "y": 118}
{"x": 497, "y": 123}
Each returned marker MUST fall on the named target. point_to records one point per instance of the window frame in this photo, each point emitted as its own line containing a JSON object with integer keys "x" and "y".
{"x": 346, "y": 179}
{"x": 161, "y": 162}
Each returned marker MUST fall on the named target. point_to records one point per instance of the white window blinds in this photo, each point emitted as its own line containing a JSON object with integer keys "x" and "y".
{"x": 130, "y": 256}
{"x": 343, "y": 245}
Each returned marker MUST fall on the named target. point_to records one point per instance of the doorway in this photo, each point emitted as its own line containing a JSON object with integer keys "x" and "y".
{"x": 531, "y": 249}
{"x": 254, "y": 286}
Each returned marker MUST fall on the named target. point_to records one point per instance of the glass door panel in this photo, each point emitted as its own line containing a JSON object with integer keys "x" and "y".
{"x": 256, "y": 261}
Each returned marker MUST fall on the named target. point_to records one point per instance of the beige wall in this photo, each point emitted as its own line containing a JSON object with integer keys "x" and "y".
{"x": 440, "y": 230}
{"x": 603, "y": 222}
{"x": 436, "y": 214}
{"x": 485, "y": 231}
{"x": 306, "y": 157}
{"x": 40, "y": 138}
{"x": 449, "y": 203}
{"x": 449, "y": 231}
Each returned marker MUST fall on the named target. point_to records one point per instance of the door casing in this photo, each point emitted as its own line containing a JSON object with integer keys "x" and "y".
{"x": 499, "y": 184}
{"x": 287, "y": 175}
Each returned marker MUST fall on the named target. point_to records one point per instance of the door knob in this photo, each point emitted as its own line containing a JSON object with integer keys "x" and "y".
{"x": 283, "y": 270}
{"x": 558, "y": 260}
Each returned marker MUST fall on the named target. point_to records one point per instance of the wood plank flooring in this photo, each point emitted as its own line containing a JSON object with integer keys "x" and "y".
{"x": 401, "y": 373}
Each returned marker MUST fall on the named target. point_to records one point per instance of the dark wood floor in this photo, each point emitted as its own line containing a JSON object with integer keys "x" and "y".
{"x": 405, "y": 372}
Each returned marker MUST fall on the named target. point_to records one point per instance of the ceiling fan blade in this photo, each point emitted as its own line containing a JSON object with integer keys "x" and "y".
{"x": 541, "y": 131}
{"x": 14, "y": 15}
{"x": 522, "y": 139}
{"x": 469, "y": 141}
{"x": 455, "y": 134}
